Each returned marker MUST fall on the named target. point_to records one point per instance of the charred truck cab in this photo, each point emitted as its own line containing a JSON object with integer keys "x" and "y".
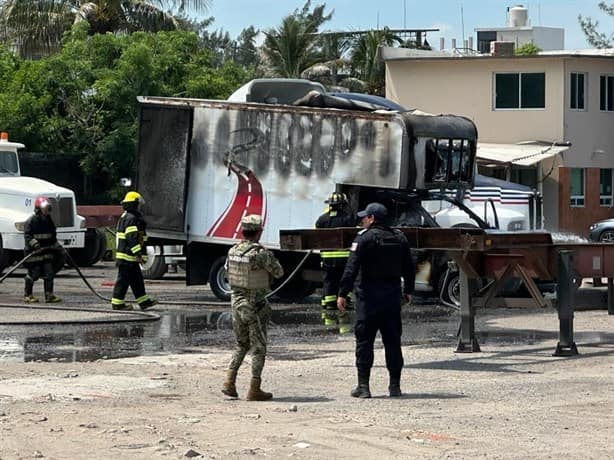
{"x": 204, "y": 164}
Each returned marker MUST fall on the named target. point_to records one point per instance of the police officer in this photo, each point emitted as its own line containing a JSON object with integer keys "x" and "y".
{"x": 250, "y": 268}
{"x": 40, "y": 236}
{"x": 129, "y": 254}
{"x": 379, "y": 257}
{"x": 333, "y": 262}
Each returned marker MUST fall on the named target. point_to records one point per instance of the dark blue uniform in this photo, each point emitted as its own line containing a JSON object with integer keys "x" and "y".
{"x": 379, "y": 257}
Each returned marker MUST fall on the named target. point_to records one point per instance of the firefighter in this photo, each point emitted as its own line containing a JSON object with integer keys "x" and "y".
{"x": 251, "y": 268}
{"x": 40, "y": 237}
{"x": 130, "y": 253}
{"x": 333, "y": 262}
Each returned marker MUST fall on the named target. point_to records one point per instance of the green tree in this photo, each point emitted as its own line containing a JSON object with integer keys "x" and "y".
{"x": 247, "y": 53}
{"x": 36, "y": 27}
{"x": 292, "y": 47}
{"x": 366, "y": 64}
{"x": 590, "y": 27}
{"x": 82, "y": 100}
{"x": 528, "y": 49}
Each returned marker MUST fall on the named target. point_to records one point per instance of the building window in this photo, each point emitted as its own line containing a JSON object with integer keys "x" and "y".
{"x": 577, "y": 91}
{"x": 606, "y": 93}
{"x": 605, "y": 187}
{"x": 576, "y": 187}
{"x": 520, "y": 90}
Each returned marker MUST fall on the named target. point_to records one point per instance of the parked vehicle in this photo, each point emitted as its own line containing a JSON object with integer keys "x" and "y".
{"x": 17, "y": 195}
{"x": 602, "y": 231}
{"x": 204, "y": 164}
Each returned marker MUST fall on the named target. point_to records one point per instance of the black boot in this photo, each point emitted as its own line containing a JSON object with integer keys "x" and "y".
{"x": 394, "y": 388}
{"x": 362, "y": 389}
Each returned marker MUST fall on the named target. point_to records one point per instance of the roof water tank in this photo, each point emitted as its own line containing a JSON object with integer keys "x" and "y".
{"x": 518, "y": 16}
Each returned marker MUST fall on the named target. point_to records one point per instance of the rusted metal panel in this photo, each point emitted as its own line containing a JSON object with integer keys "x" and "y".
{"x": 100, "y": 216}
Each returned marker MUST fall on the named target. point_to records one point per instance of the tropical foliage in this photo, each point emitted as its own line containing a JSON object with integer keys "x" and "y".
{"x": 35, "y": 27}
{"x": 590, "y": 27}
{"x": 84, "y": 98}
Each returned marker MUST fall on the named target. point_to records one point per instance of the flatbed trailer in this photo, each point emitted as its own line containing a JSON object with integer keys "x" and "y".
{"x": 496, "y": 256}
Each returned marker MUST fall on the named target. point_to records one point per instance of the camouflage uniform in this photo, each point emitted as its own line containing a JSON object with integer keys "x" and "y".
{"x": 250, "y": 309}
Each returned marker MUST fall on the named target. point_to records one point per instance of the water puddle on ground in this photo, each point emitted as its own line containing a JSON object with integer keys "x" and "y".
{"x": 191, "y": 331}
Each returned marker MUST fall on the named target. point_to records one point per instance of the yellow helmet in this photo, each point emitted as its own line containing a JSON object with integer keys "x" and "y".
{"x": 133, "y": 197}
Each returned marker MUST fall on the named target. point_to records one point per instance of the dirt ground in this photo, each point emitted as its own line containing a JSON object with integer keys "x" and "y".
{"x": 514, "y": 400}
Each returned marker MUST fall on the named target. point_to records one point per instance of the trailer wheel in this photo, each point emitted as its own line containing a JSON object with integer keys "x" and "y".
{"x": 155, "y": 267}
{"x": 218, "y": 281}
{"x": 449, "y": 288}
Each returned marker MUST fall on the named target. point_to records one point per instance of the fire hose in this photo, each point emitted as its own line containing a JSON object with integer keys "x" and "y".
{"x": 162, "y": 302}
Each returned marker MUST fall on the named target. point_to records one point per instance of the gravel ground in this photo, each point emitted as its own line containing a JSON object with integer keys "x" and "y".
{"x": 514, "y": 400}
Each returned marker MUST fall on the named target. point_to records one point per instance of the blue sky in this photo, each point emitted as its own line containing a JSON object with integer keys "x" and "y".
{"x": 234, "y": 15}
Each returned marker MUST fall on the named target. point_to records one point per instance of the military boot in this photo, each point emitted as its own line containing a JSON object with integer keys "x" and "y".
{"x": 394, "y": 388}
{"x": 255, "y": 393}
{"x": 229, "y": 388}
{"x": 362, "y": 389}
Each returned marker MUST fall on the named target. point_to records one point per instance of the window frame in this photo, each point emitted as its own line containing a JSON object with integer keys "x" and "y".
{"x": 605, "y": 201}
{"x": 519, "y": 74}
{"x": 577, "y": 201}
{"x": 603, "y": 98}
{"x": 584, "y": 107}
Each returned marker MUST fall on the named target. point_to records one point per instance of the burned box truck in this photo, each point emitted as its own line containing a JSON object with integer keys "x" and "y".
{"x": 204, "y": 164}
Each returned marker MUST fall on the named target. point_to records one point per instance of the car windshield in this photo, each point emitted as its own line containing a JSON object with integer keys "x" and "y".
{"x": 8, "y": 163}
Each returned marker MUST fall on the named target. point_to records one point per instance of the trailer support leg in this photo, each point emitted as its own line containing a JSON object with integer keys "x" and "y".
{"x": 610, "y": 296}
{"x": 565, "y": 294}
{"x": 467, "y": 342}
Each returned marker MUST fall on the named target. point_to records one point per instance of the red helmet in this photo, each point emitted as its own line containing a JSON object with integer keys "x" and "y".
{"x": 42, "y": 202}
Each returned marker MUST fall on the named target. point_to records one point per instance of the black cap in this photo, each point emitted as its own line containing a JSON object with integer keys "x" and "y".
{"x": 376, "y": 210}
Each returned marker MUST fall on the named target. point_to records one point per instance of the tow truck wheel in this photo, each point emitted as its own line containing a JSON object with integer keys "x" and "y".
{"x": 155, "y": 267}
{"x": 218, "y": 281}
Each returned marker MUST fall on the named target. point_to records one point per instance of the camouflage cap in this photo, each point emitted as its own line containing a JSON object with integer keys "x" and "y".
{"x": 251, "y": 222}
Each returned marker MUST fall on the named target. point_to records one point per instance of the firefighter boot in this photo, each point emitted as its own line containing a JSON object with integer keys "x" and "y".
{"x": 29, "y": 298}
{"x": 50, "y": 297}
{"x": 394, "y": 388}
{"x": 148, "y": 303}
{"x": 229, "y": 388}
{"x": 255, "y": 393}
{"x": 362, "y": 389}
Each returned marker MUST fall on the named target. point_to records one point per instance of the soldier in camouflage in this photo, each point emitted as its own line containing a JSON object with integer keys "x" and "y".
{"x": 250, "y": 268}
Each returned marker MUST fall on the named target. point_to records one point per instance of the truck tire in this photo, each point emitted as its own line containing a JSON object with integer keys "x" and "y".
{"x": 218, "y": 282}
{"x": 102, "y": 239}
{"x": 5, "y": 257}
{"x": 155, "y": 267}
{"x": 87, "y": 255}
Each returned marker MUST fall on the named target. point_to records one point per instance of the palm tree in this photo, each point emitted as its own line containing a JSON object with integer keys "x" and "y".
{"x": 366, "y": 62}
{"x": 36, "y": 27}
{"x": 292, "y": 47}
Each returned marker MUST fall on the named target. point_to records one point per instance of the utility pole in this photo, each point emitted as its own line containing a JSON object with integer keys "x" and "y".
{"x": 404, "y": 14}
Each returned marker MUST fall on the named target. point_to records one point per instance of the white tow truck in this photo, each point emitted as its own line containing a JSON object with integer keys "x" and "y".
{"x": 17, "y": 195}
